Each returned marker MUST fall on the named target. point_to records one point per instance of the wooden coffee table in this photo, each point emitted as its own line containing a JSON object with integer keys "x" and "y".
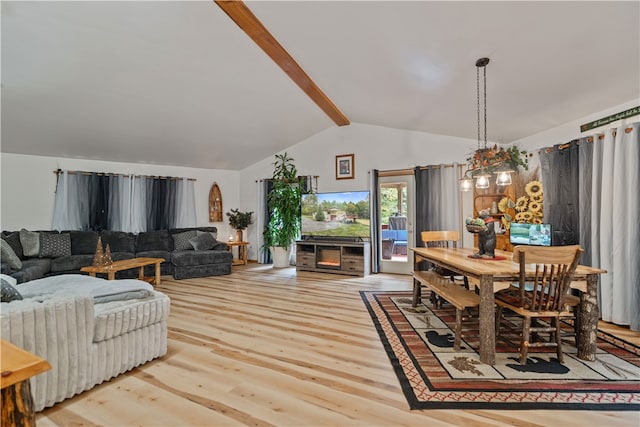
{"x": 127, "y": 264}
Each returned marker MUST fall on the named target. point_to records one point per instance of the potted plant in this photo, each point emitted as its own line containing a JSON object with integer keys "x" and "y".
{"x": 239, "y": 221}
{"x": 284, "y": 206}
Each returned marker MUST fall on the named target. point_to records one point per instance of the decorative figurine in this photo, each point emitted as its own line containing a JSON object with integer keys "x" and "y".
{"x": 486, "y": 238}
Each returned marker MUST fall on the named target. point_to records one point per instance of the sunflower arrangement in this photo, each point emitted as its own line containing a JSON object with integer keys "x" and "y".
{"x": 526, "y": 209}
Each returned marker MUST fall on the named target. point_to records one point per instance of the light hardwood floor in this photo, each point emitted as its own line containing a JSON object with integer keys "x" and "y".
{"x": 269, "y": 347}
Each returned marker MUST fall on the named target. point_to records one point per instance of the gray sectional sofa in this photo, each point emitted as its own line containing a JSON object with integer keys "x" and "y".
{"x": 188, "y": 252}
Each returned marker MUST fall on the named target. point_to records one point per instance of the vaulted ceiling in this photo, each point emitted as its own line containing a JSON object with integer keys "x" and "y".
{"x": 179, "y": 83}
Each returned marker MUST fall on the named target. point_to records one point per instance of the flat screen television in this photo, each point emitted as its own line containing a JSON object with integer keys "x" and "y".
{"x": 530, "y": 234}
{"x": 339, "y": 215}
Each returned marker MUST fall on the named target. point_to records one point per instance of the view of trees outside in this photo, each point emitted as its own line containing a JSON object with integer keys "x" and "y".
{"x": 389, "y": 202}
{"x": 345, "y": 215}
{"x": 311, "y": 205}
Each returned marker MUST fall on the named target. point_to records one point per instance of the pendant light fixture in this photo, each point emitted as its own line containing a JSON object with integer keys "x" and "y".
{"x": 482, "y": 178}
{"x": 486, "y": 160}
{"x": 503, "y": 176}
{"x": 466, "y": 183}
{"x": 480, "y": 161}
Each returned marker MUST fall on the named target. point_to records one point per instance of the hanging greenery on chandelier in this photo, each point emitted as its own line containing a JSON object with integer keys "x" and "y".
{"x": 492, "y": 159}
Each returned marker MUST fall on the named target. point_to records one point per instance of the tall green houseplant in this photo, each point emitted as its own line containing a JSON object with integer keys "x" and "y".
{"x": 284, "y": 205}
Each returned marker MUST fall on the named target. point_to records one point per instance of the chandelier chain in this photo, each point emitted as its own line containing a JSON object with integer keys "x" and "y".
{"x": 478, "y": 101}
{"x": 485, "y": 105}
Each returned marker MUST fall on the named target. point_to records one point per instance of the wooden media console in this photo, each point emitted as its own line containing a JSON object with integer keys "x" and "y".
{"x": 351, "y": 258}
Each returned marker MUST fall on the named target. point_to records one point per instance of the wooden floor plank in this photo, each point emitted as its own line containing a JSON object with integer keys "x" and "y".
{"x": 266, "y": 346}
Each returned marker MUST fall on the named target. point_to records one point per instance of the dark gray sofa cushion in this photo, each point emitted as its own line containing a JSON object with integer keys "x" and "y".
{"x": 83, "y": 242}
{"x": 70, "y": 263}
{"x": 119, "y": 241}
{"x": 13, "y": 239}
{"x": 154, "y": 241}
{"x": 205, "y": 270}
{"x": 32, "y": 268}
{"x": 191, "y": 258}
{"x": 165, "y": 267}
{"x": 5, "y": 269}
{"x": 219, "y": 246}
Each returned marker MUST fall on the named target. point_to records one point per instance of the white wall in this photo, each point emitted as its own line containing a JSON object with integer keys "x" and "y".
{"x": 28, "y": 186}
{"x": 374, "y": 147}
{"x": 571, "y": 130}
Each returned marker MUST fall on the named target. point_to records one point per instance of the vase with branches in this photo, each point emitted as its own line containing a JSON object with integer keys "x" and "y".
{"x": 239, "y": 221}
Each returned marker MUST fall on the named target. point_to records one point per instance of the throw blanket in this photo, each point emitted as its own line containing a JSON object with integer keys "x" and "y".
{"x": 76, "y": 284}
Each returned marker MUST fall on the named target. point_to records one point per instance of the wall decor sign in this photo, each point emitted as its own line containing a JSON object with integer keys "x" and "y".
{"x": 345, "y": 166}
{"x": 612, "y": 118}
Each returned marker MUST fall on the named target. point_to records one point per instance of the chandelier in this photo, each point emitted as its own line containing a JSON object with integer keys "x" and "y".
{"x": 484, "y": 160}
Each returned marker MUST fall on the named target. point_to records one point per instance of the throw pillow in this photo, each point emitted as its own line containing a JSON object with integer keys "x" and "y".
{"x": 30, "y": 241}
{"x": 12, "y": 280}
{"x": 8, "y": 256}
{"x": 181, "y": 240}
{"x": 9, "y": 293}
{"x": 13, "y": 240}
{"x": 53, "y": 245}
{"x": 202, "y": 242}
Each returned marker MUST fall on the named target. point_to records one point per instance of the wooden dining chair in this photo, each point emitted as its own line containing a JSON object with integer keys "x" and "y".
{"x": 545, "y": 296}
{"x": 442, "y": 239}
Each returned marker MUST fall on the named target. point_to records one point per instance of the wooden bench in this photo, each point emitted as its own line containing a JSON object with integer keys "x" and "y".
{"x": 455, "y": 294}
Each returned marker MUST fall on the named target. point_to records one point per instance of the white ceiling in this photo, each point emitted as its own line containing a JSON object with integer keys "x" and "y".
{"x": 178, "y": 83}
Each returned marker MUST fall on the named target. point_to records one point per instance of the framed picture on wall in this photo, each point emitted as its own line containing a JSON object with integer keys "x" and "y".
{"x": 345, "y": 166}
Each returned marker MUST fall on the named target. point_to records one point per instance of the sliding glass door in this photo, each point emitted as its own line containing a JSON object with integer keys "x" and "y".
{"x": 396, "y": 198}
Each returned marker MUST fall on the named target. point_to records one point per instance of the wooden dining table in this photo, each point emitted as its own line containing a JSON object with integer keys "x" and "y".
{"x": 489, "y": 273}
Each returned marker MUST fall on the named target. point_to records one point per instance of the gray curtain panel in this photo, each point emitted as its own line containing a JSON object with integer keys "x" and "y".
{"x": 560, "y": 180}
{"x": 614, "y": 222}
{"x": 92, "y": 201}
{"x": 375, "y": 221}
{"x": 592, "y": 199}
{"x": 438, "y": 204}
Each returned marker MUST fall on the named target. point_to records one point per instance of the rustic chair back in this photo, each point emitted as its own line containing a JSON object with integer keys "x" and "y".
{"x": 554, "y": 266}
{"x": 546, "y": 296}
{"x": 443, "y": 239}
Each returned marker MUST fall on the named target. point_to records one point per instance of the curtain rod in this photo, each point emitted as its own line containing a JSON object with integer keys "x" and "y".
{"x": 395, "y": 172}
{"x": 59, "y": 171}
{"x": 588, "y": 139}
{"x": 299, "y": 176}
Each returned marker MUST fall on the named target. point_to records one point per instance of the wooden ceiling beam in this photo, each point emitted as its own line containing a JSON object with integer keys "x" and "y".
{"x": 250, "y": 24}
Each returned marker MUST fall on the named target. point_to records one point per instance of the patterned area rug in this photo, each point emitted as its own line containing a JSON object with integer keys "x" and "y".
{"x": 420, "y": 346}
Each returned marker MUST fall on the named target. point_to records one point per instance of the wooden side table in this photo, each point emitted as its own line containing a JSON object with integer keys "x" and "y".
{"x": 18, "y": 366}
{"x": 242, "y": 252}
